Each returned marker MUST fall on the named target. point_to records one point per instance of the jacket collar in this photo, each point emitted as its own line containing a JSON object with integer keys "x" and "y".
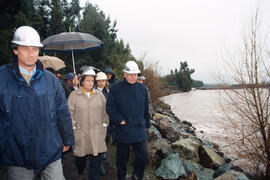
{"x": 80, "y": 91}
{"x": 39, "y": 70}
{"x": 130, "y": 85}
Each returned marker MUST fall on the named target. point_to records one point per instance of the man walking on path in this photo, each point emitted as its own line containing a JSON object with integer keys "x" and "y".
{"x": 35, "y": 124}
{"x": 127, "y": 107}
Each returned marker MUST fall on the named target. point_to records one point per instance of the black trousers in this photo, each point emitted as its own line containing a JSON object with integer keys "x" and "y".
{"x": 122, "y": 156}
{"x": 94, "y": 165}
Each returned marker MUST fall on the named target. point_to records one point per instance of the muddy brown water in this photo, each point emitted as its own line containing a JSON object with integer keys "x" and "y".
{"x": 202, "y": 109}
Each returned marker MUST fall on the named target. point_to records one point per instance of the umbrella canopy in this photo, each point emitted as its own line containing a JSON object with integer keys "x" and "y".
{"x": 71, "y": 41}
{"x": 53, "y": 62}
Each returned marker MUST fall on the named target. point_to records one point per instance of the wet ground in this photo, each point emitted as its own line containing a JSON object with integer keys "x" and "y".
{"x": 70, "y": 172}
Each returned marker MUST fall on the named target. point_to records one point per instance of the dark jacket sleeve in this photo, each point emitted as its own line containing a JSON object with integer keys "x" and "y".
{"x": 64, "y": 122}
{"x": 146, "y": 111}
{"x": 111, "y": 108}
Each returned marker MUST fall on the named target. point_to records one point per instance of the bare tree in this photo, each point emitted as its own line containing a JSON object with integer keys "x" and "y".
{"x": 246, "y": 104}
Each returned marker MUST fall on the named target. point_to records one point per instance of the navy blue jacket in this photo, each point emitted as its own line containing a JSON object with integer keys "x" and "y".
{"x": 105, "y": 93}
{"x": 34, "y": 120}
{"x": 130, "y": 103}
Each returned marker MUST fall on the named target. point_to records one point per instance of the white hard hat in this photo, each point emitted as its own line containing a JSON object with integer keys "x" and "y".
{"x": 141, "y": 78}
{"x": 26, "y": 36}
{"x": 101, "y": 76}
{"x": 89, "y": 71}
{"x": 131, "y": 67}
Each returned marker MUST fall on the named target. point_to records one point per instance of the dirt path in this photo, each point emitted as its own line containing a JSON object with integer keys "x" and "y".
{"x": 70, "y": 172}
{"x": 109, "y": 164}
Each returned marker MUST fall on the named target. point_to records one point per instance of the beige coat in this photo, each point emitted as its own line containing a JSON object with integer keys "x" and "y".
{"x": 88, "y": 115}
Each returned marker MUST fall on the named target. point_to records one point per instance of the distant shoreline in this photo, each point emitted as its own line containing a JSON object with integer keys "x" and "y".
{"x": 174, "y": 90}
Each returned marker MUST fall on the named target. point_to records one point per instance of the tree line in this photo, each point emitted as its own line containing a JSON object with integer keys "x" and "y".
{"x": 52, "y": 17}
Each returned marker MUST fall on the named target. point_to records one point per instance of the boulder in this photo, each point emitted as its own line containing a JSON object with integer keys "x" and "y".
{"x": 223, "y": 169}
{"x": 171, "y": 167}
{"x": 160, "y": 106}
{"x": 208, "y": 143}
{"x": 175, "y": 118}
{"x": 200, "y": 172}
{"x": 169, "y": 130}
{"x": 158, "y": 149}
{"x": 232, "y": 175}
{"x": 187, "y": 126}
{"x": 158, "y": 116}
{"x": 153, "y": 123}
{"x": 183, "y": 134}
{"x": 153, "y": 133}
{"x": 187, "y": 149}
{"x": 209, "y": 158}
{"x": 186, "y": 123}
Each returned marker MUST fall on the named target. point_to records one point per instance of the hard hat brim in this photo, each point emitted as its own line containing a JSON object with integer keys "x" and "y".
{"x": 132, "y": 72}
{"x": 27, "y": 44}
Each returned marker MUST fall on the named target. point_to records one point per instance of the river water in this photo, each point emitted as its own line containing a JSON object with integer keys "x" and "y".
{"x": 202, "y": 109}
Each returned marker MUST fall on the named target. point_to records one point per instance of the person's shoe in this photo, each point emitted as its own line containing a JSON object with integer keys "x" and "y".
{"x": 102, "y": 170}
{"x": 104, "y": 156}
{"x": 80, "y": 177}
{"x": 134, "y": 177}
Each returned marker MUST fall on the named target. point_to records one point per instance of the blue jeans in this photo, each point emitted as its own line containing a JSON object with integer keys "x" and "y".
{"x": 122, "y": 156}
{"x": 54, "y": 171}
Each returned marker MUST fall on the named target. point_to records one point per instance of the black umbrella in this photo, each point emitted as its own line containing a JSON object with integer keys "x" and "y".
{"x": 71, "y": 41}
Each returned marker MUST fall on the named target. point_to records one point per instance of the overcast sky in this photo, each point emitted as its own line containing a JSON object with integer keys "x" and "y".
{"x": 196, "y": 31}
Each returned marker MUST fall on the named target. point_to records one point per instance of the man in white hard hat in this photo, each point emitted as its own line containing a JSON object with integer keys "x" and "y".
{"x": 35, "y": 124}
{"x": 127, "y": 107}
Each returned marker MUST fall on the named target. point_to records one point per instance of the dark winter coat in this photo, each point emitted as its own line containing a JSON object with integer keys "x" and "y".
{"x": 129, "y": 103}
{"x": 105, "y": 93}
{"x": 34, "y": 120}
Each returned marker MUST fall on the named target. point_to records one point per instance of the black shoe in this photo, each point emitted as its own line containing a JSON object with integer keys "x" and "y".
{"x": 102, "y": 170}
{"x": 134, "y": 177}
{"x": 104, "y": 156}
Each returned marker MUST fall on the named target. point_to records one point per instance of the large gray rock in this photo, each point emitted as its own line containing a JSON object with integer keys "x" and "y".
{"x": 153, "y": 133}
{"x": 188, "y": 127}
{"x": 223, "y": 169}
{"x": 232, "y": 175}
{"x": 183, "y": 134}
{"x": 209, "y": 158}
{"x": 158, "y": 116}
{"x": 153, "y": 123}
{"x": 187, "y": 149}
{"x": 171, "y": 167}
{"x": 201, "y": 172}
{"x": 161, "y": 107}
{"x": 210, "y": 144}
{"x": 158, "y": 149}
{"x": 169, "y": 130}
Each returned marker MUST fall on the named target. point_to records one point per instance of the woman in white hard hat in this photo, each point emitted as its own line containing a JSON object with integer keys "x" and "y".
{"x": 102, "y": 85}
{"x": 89, "y": 120}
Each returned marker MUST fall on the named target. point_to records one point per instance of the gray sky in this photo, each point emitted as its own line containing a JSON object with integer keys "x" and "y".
{"x": 196, "y": 31}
